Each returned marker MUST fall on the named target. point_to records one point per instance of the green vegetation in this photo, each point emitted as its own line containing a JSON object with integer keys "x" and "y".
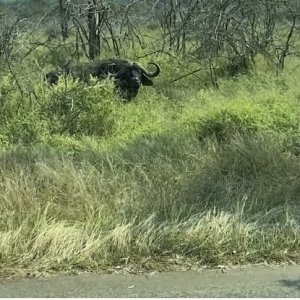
{"x": 197, "y": 170}
{"x": 212, "y": 177}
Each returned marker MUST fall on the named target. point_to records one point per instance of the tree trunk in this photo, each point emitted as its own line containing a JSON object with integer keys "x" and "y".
{"x": 64, "y": 18}
{"x": 94, "y": 32}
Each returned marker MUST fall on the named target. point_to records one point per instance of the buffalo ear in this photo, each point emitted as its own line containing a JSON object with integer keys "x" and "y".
{"x": 146, "y": 81}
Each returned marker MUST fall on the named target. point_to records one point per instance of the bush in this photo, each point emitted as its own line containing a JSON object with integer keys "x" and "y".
{"x": 224, "y": 119}
{"x": 26, "y": 128}
{"x": 78, "y": 108}
{"x": 224, "y": 122}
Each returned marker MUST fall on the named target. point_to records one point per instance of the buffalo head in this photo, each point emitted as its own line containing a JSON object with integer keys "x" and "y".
{"x": 131, "y": 76}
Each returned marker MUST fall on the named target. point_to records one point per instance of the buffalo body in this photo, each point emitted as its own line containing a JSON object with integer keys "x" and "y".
{"x": 128, "y": 76}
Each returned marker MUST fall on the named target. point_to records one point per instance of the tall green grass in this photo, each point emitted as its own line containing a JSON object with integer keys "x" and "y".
{"x": 183, "y": 175}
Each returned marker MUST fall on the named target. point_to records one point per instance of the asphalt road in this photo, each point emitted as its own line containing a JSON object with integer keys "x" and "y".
{"x": 242, "y": 282}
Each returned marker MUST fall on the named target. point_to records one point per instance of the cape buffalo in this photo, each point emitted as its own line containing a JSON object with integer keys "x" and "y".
{"x": 128, "y": 76}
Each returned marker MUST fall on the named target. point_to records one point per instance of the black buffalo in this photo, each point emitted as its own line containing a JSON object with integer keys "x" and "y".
{"x": 128, "y": 76}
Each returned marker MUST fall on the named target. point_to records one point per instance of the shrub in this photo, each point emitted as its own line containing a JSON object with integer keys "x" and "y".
{"x": 224, "y": 118}
{"x": 77, "y": 108}
{"x": 26, "y": 128}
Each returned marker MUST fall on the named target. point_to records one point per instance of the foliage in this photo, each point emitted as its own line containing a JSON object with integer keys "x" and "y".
{"x": 184, "y": 170}
{"x": 77, "y": 108}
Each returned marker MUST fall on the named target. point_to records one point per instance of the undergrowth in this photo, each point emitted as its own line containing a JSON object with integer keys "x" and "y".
{"x": 184, "y": 173}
